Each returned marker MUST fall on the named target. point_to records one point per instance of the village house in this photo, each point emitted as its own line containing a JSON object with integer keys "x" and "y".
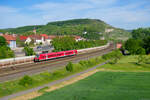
{"x": 44, "y": 38}
{"x": 11, "y": 40}
{"x": 25, "y": 39}
{"x": 78, "y": 38}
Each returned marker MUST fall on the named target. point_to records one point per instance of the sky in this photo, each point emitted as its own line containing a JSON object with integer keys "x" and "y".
{"x": 126, "y": 14}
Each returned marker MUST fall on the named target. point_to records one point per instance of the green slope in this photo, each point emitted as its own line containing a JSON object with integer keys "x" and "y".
{"x": 75, "y": 27}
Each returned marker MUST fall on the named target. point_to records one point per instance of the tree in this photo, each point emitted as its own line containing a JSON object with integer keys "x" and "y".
{"x": 28, "y": 51}
{"x": 69, "y": 67}
{"x": 141, "y": 51}
{"x": 26, "y": 81}
{"x": 132, "y": 45}
{"x": 5, "y": 51}
{"x": 2, "y": 41}
{"x": 141, "y": 33}
{"x": 116, "y": 56}
{"x": 146, "y": 44}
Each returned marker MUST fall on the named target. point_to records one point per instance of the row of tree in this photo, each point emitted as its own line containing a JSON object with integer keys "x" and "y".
{"x": 69, "y": 43}
{"x": 139, "y": 43}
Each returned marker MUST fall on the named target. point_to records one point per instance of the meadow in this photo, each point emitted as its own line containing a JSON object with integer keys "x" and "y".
{"x": 125, "y": 80}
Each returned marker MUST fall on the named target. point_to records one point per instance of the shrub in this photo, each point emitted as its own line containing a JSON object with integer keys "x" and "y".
{"x": 28, "y": 51}
{"x": 83, "y": 63}
{"x": 114, "y": 54}
{"x": 141, "y": 51}
{"x": 26, "y": 81}
{"x": 147, "y": 60}
{"x": 141, "y": 59}
{"x": 77, "y": 67}
{"x": 69, "y": 67}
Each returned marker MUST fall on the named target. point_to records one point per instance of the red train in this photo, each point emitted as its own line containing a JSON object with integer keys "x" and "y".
{"x": 53, "y": 55}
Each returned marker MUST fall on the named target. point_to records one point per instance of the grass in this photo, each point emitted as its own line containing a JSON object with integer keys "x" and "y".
{"x": 11, "y": 87}
{"x": 127, "y": 63}
{"x": 130, "y": 81}
{"x": 43, "y": 90}
{"x": 105, "y": 86}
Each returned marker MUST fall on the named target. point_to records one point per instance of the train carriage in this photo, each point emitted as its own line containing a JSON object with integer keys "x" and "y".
{"x": 53, "y": 55}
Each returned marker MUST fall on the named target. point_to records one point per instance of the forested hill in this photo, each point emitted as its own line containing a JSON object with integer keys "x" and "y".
{"x": 75, "y": 27}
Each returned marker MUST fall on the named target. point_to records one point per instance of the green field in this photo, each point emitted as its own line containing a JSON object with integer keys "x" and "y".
{"x": 129, "y": 64}
{"x": 128, "y": 82}
{"x": 105, "y": 86}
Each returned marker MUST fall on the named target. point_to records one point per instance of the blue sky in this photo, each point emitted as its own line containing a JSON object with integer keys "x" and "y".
{"x": 127, "y": 14}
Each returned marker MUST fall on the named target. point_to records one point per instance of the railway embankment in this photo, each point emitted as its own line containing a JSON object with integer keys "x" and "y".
{"x": 22, "y": 84}
{"x": 29, "y": 59}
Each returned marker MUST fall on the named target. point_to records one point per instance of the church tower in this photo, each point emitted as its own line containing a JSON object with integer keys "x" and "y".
{"x": 34, "y": 30}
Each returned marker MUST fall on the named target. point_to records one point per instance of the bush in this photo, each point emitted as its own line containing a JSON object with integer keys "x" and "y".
{"x": 141, "y": 51}
{"x": 26, "y": 81}
{"x": 113, "y": 54}
{"x": 6, "y": 52}
{"x": 77, "y": 67}
{"x": 28, "y": 51}
{"x": 69, "y": 67}
{"x": 83, "y": 63}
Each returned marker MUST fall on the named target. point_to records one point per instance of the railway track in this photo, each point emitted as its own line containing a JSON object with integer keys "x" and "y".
{"x": 32, "y": 68}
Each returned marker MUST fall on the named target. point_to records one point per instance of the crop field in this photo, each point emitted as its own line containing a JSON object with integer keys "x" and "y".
{"x": 105, "y": 86}
{"x": 124, "y": 84}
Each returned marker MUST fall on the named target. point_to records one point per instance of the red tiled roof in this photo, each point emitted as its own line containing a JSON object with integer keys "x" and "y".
{"x": 44, "y": 35}
{"x": 35, "y": 37}
{"x": 9, "y": 37}
{"x": 23, "y": 37}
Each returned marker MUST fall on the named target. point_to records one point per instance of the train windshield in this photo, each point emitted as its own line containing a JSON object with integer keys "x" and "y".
{"x": 37, "y": 56}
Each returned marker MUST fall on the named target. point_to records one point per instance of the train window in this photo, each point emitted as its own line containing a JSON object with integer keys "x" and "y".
{"x": 68, "y": 52}
{"x": 52, "y": 55}
{"x": 43, "y": 56}
{"x": 49, "y": 55}
{"x": 43, "y": 52}
{"x": 59, "y": 54}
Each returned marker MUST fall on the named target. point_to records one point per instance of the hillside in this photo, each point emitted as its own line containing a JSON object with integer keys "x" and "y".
{"x": 76, "y": 27}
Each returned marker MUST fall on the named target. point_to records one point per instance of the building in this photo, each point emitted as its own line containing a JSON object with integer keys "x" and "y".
{"x": 37, "y": 39}
{"x": 78, "y": 38}
{"x": 118, "y": 45}
{"x": 109, "y": 30}
{"x": 25, "y": 39}
{"x": 11, "y": 40}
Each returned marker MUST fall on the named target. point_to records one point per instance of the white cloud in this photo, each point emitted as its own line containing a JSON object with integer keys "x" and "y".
{"x": 126, "y": 16}
{"x": 11, "y": 17}
{"x": 5, "y": 9}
